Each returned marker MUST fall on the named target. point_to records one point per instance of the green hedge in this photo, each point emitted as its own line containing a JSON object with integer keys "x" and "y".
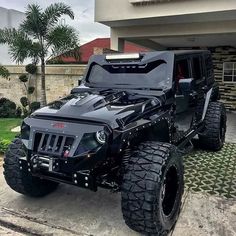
{"x": 8, "y": 109}
{"x": 4, "y": 143}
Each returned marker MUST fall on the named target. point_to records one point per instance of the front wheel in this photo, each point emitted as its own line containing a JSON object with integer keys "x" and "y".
{"x": 21, "y": 180}
{"x": 152, "y": 188}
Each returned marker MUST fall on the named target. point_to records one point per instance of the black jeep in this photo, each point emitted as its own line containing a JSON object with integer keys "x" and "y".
{"x": 125, "y": 128}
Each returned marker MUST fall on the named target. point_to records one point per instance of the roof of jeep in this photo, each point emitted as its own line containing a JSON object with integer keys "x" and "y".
{"x": 160, "y": 54}
{"x": 188, "y": 52}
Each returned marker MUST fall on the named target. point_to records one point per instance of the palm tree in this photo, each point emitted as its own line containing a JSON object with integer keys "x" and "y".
{"x": 40, "y": 36}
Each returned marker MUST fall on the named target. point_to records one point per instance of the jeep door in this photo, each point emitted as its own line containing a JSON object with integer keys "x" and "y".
{"x": 189, "y": 67}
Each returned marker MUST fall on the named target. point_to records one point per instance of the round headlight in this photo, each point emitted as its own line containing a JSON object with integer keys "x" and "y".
{"x": 101, "y": 136}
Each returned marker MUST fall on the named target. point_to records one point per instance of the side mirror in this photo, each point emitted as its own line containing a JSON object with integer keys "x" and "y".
{"x": 186, "y": 86}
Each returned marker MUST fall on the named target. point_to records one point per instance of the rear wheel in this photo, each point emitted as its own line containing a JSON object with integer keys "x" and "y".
{"x": 152, "y": 188}
{"x": 213, "y": 135}
{"x": 21, "y": 180}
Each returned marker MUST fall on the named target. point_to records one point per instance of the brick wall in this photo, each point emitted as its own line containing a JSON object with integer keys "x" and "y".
{"x": 60, "y": 79}
{"x": 227, "y": 90}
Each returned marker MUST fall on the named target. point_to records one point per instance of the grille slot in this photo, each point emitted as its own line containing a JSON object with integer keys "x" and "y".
{"x": 52, "y": 144}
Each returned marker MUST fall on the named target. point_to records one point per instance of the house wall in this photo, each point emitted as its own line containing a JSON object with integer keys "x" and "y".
{"x": 118, "y": 13}
{"x": 60, "y": 79}
{"x": 9, "y": 19}
{"x": 227, "y": 90}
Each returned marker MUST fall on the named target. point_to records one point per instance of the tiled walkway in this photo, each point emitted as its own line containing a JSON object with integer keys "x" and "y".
{"x": 212, "y": 172}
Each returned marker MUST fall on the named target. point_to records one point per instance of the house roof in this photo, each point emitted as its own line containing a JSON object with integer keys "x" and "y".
{"x": 87, "y": 50}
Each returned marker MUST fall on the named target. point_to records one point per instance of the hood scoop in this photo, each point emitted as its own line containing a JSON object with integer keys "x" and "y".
{"x": 89, "y": 100}
{"x": 109, "y": 99}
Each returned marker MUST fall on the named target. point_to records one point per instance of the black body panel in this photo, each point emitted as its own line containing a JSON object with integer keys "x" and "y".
{"x": 62, "y": 138}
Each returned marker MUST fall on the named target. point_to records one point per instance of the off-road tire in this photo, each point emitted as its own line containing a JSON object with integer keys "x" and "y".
{"x": 152, "y": 188}
{"x": 213, "y": 135}
{"x": 21, "y": 180}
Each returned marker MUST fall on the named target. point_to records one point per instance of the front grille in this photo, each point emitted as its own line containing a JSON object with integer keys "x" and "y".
{"x": 52, "y": 144}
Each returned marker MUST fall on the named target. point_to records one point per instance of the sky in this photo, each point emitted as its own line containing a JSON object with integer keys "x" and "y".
{"x": 84, "y": 16}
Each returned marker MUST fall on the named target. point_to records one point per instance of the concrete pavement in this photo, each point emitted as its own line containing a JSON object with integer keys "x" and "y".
{"x": 73, "y": 211}
{"x": 206, "y": 215}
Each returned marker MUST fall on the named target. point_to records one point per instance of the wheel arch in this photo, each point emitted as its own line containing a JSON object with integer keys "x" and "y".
{"x": 159, "y": 132}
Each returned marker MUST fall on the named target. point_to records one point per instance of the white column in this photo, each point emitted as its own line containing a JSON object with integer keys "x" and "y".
{"x": 117, "y": 43}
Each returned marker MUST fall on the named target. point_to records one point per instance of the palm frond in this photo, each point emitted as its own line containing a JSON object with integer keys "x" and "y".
{"x": 62, "y": 38}
{"x": 35, "y": 52}
{"x": 53, "y": 13}
{"x": 7, "y": 35}
{"x": 33, "y": 24}
{"x": 21, "y": 46}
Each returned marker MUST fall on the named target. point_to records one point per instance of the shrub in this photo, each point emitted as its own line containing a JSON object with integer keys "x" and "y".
{"x": 4, "y": 143}
{"x": 2, "y": 101}
{"x": 34, "y": 106}
{"x": 31, "y": 90}
{"x": 23, "y": 78}
{"x": 18, "y": 112}
{"x": 24, "y": 101}
{"x": 25, "y": 112}
{"x": 7, "y": 108}
{"x": 31, "y": 69}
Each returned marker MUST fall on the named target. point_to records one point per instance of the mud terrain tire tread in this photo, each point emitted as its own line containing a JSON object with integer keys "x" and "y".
{"x": 215, "y": 116}
{"x": 141, "y": 187}
{"x": 21, "y": 180}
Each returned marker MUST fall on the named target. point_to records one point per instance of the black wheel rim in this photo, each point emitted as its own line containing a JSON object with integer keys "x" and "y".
{"x": 169, "y": 191}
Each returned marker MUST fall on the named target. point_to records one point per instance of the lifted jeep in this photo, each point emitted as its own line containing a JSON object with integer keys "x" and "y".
{"x": 126, "y": 127}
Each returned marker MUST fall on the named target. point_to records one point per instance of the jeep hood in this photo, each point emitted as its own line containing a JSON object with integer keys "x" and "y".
{"x": 112, "y": 108}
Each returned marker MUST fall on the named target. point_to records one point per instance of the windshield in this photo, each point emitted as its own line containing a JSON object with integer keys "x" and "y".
{"x": 152, "y": 75}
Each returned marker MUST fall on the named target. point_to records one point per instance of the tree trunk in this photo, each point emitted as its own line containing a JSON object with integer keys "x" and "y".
{"x": 43, "y": 99}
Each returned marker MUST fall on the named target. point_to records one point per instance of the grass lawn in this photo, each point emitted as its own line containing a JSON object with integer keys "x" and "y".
{"x": 6, "y": 124}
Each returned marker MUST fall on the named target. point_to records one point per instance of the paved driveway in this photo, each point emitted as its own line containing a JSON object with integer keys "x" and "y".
{"x": 74, "y": 211}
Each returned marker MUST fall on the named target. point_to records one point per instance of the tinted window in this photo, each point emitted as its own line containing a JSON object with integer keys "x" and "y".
{"x": 197, "y": 67}
{"x": 182, "y": 69}
{"x": 152, "y": 75}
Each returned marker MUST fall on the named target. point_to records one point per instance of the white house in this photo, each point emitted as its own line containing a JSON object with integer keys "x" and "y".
{"x": 175, "y": 24}
{"x": 11, "y": 19}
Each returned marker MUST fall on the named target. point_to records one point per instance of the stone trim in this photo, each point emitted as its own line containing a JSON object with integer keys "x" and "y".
{"x": 227, "y": 89}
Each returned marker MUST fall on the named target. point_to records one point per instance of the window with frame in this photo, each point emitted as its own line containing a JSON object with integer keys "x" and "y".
{"x": 229, "y": 72}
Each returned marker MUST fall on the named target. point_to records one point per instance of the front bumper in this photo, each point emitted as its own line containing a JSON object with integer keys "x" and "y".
{"x": 58, "y": 151}
{"x": 62, "y": 171}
